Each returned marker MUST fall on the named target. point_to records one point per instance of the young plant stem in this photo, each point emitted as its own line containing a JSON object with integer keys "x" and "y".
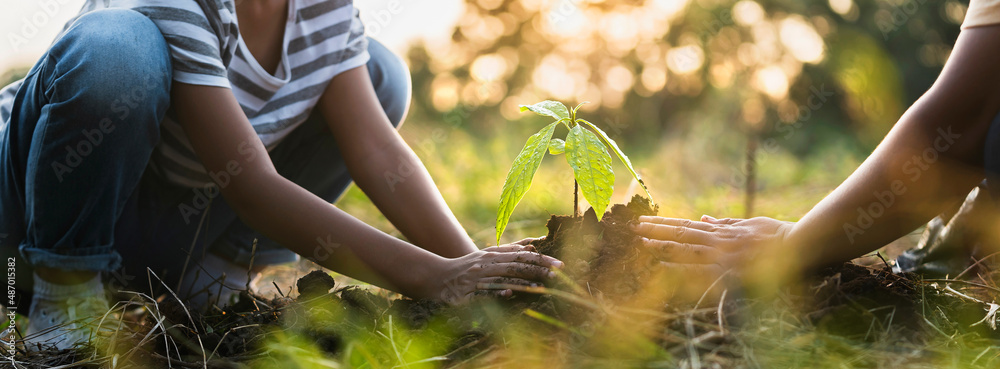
{"x": 576, "y": 198}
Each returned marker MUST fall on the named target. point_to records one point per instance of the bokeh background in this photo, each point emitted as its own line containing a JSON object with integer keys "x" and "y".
{"x": 727, "y": 108}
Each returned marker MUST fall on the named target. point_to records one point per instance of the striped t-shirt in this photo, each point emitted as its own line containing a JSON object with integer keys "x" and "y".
{"x": 322, "y": 39}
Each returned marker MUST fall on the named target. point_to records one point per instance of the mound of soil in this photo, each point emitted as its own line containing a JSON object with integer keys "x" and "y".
{"x": 601, "y": 255}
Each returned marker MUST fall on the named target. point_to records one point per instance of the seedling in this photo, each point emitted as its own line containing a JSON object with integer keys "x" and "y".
{"x": 586, "y": 149}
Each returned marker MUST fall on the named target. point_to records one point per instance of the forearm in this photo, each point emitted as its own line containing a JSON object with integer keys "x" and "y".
{"x": 926, "y": 163}
{"x": 399, "y": 184}
{"x": 931, "y": 159}
{"x": 323, "y": 233}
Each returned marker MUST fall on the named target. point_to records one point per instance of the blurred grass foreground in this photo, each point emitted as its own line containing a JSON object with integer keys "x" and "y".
{"x": 728, "y": 108}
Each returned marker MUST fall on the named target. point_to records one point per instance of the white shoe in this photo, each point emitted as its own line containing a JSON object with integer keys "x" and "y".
{"x": 65, "y": 316}
{"x": 205, "y": 284}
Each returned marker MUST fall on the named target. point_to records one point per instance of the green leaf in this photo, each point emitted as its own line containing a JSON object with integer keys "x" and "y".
{"x": 592, "y": 167}
{"x": 621, "y": 155}
{"x": 549, "y": 108}
{"x": 579, "y": 106}
{"x": 521, "y": 173}
{"x": 557, "y": 146}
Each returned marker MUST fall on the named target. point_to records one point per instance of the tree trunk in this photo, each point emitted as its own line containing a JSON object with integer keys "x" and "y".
{"x": 751, "y": 176}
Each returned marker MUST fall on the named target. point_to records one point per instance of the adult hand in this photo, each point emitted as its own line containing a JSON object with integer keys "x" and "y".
{"x": 711, "y": 248}
{"x": 480, "y": 273}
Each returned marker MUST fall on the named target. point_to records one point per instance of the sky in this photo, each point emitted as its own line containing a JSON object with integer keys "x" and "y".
{"x": 29, "y": 26}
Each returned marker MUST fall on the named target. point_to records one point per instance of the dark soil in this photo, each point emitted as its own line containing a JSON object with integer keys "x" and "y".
{"x": 315, "y": 284}
{"x": 601, "y": 255}
{"x": 850, "y": 299}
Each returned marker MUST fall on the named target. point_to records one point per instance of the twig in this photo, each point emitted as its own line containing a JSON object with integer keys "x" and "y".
{"x": 543, "y": 291}
{"x": 194, "y": 324}
{"x": 710, "y": 287}
{"x": 197, "y": 232}
{"x": 253, "y": 255}
{"x": 974, "y": 284}
{"x": 879, "y": 254}
{"x": 693, "y": 358}
{"x": 230, "y": 330}
{"x": 722, "y": 301}
{"x": 976, "y": 263}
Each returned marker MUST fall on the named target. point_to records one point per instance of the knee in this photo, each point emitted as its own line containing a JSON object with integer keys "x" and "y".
{"x": 391, "y": 79}
{"x": 117, "y": 61}
{"x": 119, "y": 49}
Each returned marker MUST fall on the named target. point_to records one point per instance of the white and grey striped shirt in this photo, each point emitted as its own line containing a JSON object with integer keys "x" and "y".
{"x": 322, "y": 39}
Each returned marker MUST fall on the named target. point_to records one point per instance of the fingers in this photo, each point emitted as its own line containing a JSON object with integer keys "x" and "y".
{"x": 490, "y": 294}
{"x": 519, "y": 270}
{"x": 522, "y": 245}
{"x": 494, "y": 283}
{"x": 528, "y": 241}
{"x": 510, "y": 248}
{"x": 529, "y": 258}
{"x": 678, "y": 222}
{"x": 678, "y": 252}
{"x": 497, "y": 287}
{"x": 710, "y": 219}
{"x": 674, "y": 233}
{"x": 696, "y": 270}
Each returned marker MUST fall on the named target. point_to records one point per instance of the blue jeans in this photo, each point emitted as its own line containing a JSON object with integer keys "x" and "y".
{"x": 74, "y": 190}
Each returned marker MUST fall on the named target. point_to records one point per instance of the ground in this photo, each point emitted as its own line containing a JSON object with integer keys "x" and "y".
{"x": 608, "y": 309}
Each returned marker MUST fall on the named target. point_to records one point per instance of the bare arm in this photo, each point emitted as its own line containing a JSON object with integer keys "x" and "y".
{"x": 225, "y": 142}
{"x": 929, "y": 160}
{"x": 386, "y": 169}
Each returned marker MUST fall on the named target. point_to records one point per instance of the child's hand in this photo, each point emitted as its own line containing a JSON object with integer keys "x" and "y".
{"x": 476, "y": 274}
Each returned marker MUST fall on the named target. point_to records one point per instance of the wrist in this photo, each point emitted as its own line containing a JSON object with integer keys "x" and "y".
{"x": 428, "y": 278}
{"x": 805, "y": 247}
{"x": 458, "y": 248}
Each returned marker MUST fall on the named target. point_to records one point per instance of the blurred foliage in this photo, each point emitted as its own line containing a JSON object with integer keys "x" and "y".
{"x": 12, "y": 76}
{"x": 658, "y": 67}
